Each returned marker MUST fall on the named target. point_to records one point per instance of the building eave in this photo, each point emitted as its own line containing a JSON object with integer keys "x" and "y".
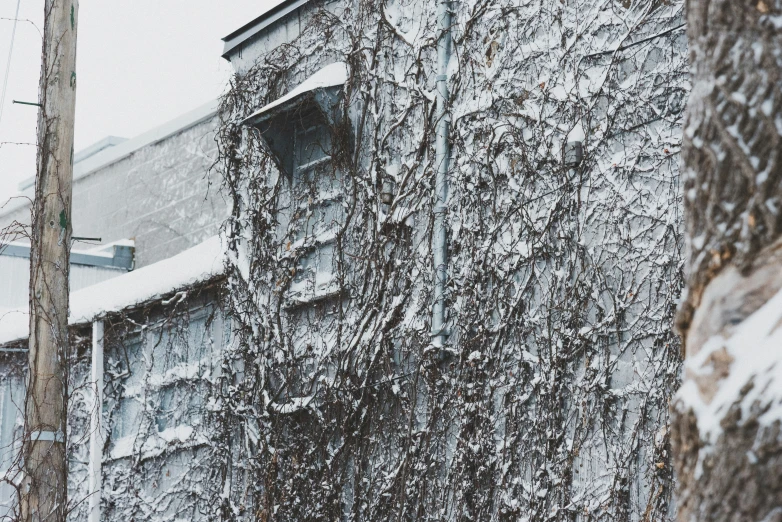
{"x": 194, "y": 267}
{"x": 237, "y": 38}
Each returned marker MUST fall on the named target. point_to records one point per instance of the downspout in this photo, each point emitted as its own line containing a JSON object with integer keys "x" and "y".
{"x": 442, "y": 157}
{"x": 96, "y": 432}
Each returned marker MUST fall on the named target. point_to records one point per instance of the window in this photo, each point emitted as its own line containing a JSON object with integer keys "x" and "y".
{"x": 179, "y": 405}
{"x": 316, "y": 186}
{"x": 164, "y": 382}
{"x": 297, "y": 130}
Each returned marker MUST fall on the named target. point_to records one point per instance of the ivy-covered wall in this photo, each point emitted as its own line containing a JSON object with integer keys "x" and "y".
{"x": 162, "y": 376}
{"x": 550, "y": 401}
{"x": 160, "y": 458}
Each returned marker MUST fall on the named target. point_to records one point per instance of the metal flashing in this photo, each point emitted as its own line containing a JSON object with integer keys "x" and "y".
{"x": 105, "y": 143}
{"x": 119, "y": 257}
{"x": 251, "y": 29}
{"x": 95, "y": 148}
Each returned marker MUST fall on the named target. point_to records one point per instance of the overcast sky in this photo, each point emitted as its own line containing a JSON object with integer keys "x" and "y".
{"x": 139, "y": 64}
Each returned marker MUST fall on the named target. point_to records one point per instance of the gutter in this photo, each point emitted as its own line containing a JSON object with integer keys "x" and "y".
{"x": 97, "y": 431}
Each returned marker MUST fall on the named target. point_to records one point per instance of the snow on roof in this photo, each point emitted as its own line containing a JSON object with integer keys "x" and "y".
{"x": 195, "y": 265}
{"x": 754, "y": 353}
{"x": 329, "y": 76}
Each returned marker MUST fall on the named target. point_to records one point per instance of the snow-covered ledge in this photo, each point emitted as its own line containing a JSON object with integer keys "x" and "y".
{"x": 193, "y": 266}
{"x": 332, "y": 75}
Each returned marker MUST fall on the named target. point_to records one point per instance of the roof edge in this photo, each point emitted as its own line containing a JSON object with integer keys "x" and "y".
{"x": 95, "y": 148}
{"x": 249, "y": 30}
{"x": 195, "y": 266}
{"x": 155, "y": 135}
{"x": 120, "y": 151}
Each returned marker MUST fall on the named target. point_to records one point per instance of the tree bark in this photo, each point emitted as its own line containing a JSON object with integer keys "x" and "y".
{"x": 733, "y": 197}
{"x": 44, "y": 493}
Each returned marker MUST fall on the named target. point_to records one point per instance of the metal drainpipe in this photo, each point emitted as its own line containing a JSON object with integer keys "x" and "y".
{"x": 442, "y": 157}
{"x": 96, "y": 433}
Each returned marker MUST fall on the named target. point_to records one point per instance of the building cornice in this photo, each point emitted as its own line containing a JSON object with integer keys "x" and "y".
{"x": 237, "y": 38}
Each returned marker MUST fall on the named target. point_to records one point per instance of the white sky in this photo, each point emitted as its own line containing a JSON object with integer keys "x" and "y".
{"x": 138, "y": 64}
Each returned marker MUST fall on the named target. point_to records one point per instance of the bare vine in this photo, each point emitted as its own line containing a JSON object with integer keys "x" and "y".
{"x": 552, "y": 404}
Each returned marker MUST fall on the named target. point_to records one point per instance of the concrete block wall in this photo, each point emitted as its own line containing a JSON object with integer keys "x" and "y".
{"x": 161, "y": 195}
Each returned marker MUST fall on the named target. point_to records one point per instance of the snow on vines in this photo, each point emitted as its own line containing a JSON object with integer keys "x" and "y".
{"x": 550, "y": 401}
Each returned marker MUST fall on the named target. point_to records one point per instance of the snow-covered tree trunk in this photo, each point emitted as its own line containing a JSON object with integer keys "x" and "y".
{"x": 726, "y": 427}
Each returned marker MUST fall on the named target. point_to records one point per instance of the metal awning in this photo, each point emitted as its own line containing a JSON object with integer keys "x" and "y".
{"x": 320, "y": 87}
{"x": 315, "y": 101}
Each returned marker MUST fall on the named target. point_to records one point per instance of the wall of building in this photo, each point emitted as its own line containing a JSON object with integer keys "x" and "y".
{"x": 159, "y": 462}
{"x": 161, "y": 370}
{"x": 160, "y": 194}
{"x": 15, "y": 280}
{"x": 549, "y": 400}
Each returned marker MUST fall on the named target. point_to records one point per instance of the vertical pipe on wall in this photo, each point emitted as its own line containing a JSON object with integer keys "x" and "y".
{"x": 442, "y": 157}
{"x": 96, "y": 432}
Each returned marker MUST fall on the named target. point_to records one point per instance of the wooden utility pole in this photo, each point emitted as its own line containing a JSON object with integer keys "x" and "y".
{"x": 44, "y": 492}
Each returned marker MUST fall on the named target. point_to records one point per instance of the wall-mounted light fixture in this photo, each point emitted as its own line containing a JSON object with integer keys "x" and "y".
{"x": 574, "y": 153}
